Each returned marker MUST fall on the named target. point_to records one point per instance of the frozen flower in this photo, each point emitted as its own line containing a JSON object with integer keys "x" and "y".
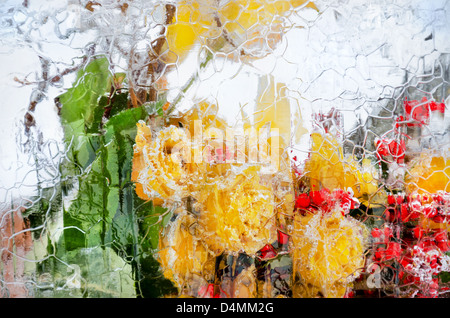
{"x": 159, "y": 175}
{"x": 328, "y": 253}
{"x": 183, "y": 257}
{"x": 418, "y": 112}
{"x": 327, "y": 168}
{"x": 237, "y": 214}
{"x": 390, "y": 150}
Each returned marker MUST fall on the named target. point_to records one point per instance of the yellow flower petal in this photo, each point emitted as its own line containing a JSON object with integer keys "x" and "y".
{"x": 429, "y": 174}
{"x": 238, "y": 214}
{"x": 183, "y": 257}
{"x": 240, "y": 23}
{"x": 156, "y": 172}
{"x": 328, "y": 252}
{"x": 325, "y": 166}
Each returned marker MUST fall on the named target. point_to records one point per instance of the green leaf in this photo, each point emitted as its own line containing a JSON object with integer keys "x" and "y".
{"x": 100, "y": 131}
{"x": 124, "y": 123}
{"x": 445, "y": 277}
{"x": 97, "y": 201}
{"x": 155, "y": 108}
{"x": 81, "y": 101}
{"x": 81, "y": 114}
{"x": 154, "y": 219}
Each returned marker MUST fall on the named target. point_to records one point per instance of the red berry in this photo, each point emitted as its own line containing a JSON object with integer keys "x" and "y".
{"x": 302, "y": 201}
{"x": 376, "y": 232}
{"x": 388, "y": 232}
{"x": 430, "y": 211}
{"x": 349, "y": 294}
{"x": 206, "y": 291}
{"x": 440, "y": 107}
{"x": 391, "y": 200}
{"x": 440, "y": 235}
{"x": 405, "y": 212}
{"x": 393, "y": 250}
{"x": 418, "y": 232}
{"x": 439, "y": 219}
{"x": 443, "y": 246}
{"x": 438, "y": 199}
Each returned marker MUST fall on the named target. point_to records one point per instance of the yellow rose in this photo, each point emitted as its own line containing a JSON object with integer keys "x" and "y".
{"x": 158, "y": 174}
{"x": 237, "y": 214}
{"x": 328, "y": 252}
{"x": 184, "y": 258}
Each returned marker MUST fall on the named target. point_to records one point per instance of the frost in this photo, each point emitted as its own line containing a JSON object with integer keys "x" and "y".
{"x": 315, "y": 97}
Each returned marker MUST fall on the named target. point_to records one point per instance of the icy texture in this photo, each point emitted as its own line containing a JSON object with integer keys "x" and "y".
{"x": 98, "y": 97}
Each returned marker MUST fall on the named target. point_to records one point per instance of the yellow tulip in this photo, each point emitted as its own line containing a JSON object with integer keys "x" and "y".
{"x": 240, "y": 23}
{"x": 328, "y": 167}
{"x": 363, "y": 180}
{"x": 185, "y": 30}
{"x": 325, "y": 166}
